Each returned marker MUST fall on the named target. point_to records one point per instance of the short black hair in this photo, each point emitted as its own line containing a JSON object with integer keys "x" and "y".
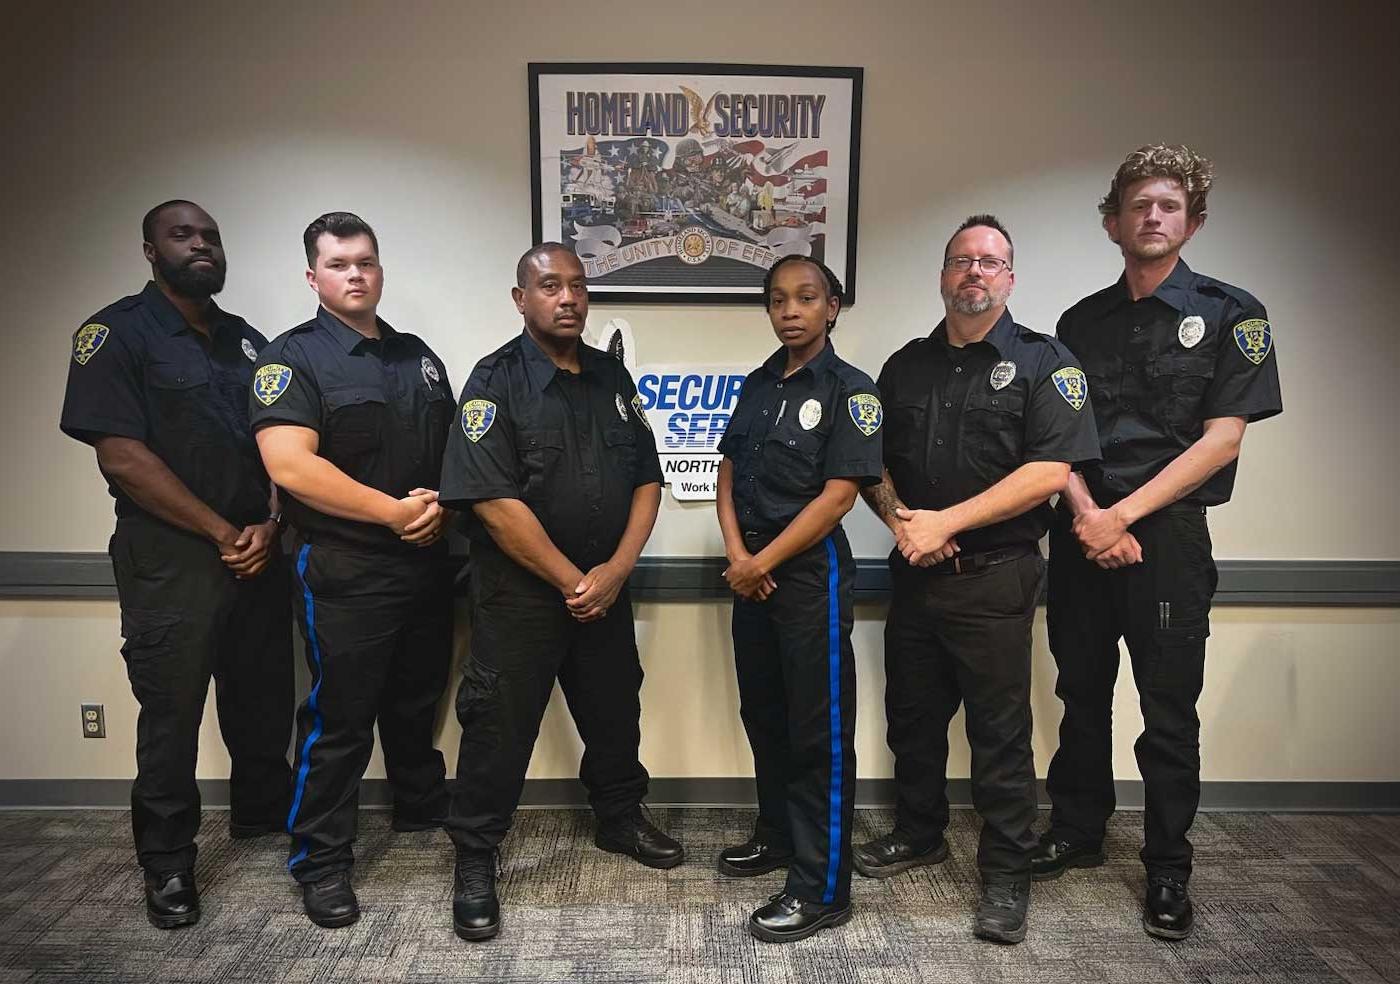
{"x": 833, "y": 285}
{"x": 341, "y": 225}
{"x": 522, "y": 267}
{"x": 991, "y": 222}
{"x": 148, "y": 222}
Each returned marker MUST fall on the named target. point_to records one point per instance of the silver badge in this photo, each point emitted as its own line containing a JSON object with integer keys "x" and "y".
{"x": 810, "y": 414}
{"x": 1192, "y": 330}
{"x": 621, "y": 406}
{"x": 249, "y": 351}
{"x": 430, "y": 373}
{"x": 1002, "y": 374}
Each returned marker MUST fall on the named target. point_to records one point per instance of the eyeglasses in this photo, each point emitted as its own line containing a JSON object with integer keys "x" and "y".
{"x": 990, "y": 265}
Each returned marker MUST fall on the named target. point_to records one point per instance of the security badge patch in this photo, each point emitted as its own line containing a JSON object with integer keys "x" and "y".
{"x": 866, "y": 412}
{"x": 270, "y": 382}
{"x": 1072, "y": 385}
{"x": 1255, "y": 339}
{"x": 1191, "y": 330}
{"x": 810, "y": 415}
{"x": 637, "y": 409}
{"x": 87, "y": 340}
{"x": 621, "y": 406}
{"x": 1002, "y": 374}
{"x": 430, "y": 372}
{"x": 249, "y": 351}
{"x": 477, "y": 418}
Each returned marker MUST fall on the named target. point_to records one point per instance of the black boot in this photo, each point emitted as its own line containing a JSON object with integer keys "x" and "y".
{"x": 330, "y": 901}
{"x": 636, "y": 836}
{"x": 786, "y": 919}
{"x": 756, "y": 856}
{"x": 476, "y": 911}
{"x": 172, "y": 900}
{"x": 1054, "y": 857}
{"x": 1001, "y": 915}
{"x": 891, "y": 854}
{"x": 1168, "y": 913}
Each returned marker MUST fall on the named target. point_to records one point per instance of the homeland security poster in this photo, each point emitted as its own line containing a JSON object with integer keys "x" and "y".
{"x": 685, "y": 182}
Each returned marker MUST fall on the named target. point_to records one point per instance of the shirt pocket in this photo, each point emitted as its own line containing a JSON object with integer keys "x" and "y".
{"x": 539, "y": 453}
{"x": 906, "y": 435}
{"x": 792, "y": 462}
{"x": 180, "y": 403}
{"x": 994, "y": 430}
{"x": 1179, "y": 384}
{"x": 621, "y": 443}
{"x": 355, "y": 421}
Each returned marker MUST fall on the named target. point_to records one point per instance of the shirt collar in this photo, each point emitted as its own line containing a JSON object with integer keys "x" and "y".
{"x": 776, "y": 363}
{"x": 540, "y": 368}
{"x": 348, "y": 337}
{"x": 999, "y": 337}
{"x": 1171, "y": 291}
{"x": 169, "y": 316}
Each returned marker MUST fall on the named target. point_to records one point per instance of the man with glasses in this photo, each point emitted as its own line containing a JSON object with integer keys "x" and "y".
{"x": 985, "y": 419}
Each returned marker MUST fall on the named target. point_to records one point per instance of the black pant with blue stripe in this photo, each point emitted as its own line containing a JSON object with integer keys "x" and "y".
{"x": 797, "y": 699}
{"x": 378, "y": 632}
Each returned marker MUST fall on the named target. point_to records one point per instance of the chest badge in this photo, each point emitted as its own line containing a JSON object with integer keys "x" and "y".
{"x": 866, "y": 412}
{"x": 430, "y": 372}
{"x": 810, "y": 415}
{"x": 1002, "y": 374}
{"x": 641, "y": 414}
{"x": 477, "y": 418}
{"x": 1072, "y": 386}
{"x": 621, "y": 405}
{"x": 249, "y": 351}
{"x": 1191, "y": 330}
{"x": 270, "y": 382}
{"x": 1255, "y": 339}
{"x": 87, "y": 341}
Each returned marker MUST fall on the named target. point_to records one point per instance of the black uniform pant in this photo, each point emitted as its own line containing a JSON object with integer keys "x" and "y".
{"x": 1161, "y": 607}
{"x": 523, "y": 639}
{"x": 965, "y": 639}
{"x": 378, "y": 631}
{"x": 185, "y": 619}
{"x": 797, "y": 699}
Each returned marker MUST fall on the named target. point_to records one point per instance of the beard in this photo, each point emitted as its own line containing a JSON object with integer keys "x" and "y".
{"x": 980, "y": 304}
{"x": 190, "y": 281}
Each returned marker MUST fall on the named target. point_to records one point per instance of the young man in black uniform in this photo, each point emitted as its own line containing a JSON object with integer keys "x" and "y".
{"x": 986, "y": 420}
{"x": 1178, "y": 364}
{"x": 351, "y": 417}
{"x": 805, "y": 436}
{"x": 156, "y": 386}
{"x": 557, "y": 465}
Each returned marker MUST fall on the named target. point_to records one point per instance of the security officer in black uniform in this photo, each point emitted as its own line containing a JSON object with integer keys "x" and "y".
{"x": 986, "y": 420}
{"x": 804, "y": 437}
{"x": 351, "y": 417}
{"x": 156, "y": 386}
{"x": 1178, "y": 364}
{"x": 557, "y": 468}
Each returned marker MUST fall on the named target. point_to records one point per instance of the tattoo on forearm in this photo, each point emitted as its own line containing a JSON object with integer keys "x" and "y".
{"x": 882, "y": 499}
{"x": 1186, "y": 490}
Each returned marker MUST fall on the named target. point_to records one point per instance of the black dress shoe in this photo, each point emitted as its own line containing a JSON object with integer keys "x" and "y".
{"x": 247, "y": 831}
{"x": 1001, "y": 915}
{"x": 172, "y": 900}
{"x": 756, "y": 856}
{"x": 637, "y": 837}
{"x": 476, "y": 911}
{"x": 1168, "y": 912}
{"x": 786, "y": 919}
{"x": 330, "y": 901}
{"x": 1054, "y": 857}
{"x": 889, "y": 855}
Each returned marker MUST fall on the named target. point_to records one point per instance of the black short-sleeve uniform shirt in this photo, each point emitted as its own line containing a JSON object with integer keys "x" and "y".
{"x": 787, "y": 437}
{"x": 139, "y": 371}
{"x": 962, "y": 419}
{"x": 382, "y": 408}
{"x": 1158, "y": 368}
{"x": 572, "y": 446}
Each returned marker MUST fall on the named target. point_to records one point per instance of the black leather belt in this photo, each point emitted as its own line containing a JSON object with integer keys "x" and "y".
{"x": 967, "y": 563}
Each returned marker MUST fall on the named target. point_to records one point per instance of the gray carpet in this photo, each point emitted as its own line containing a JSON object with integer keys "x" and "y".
{"x": 1279, "y": 897}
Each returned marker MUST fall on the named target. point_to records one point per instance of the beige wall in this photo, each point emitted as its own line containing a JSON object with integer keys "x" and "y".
{"x": 413, "y": 114}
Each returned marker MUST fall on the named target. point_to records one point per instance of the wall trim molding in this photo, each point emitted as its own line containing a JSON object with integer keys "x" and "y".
{"x": 1290, "y": 583}
{"x": 738, "y": 791}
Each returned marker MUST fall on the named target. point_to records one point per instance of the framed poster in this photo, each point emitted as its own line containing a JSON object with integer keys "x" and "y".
{"x": 683, "y": 183}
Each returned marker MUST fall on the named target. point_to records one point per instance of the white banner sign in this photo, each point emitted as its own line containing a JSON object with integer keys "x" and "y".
{"x": 688, "y": 408}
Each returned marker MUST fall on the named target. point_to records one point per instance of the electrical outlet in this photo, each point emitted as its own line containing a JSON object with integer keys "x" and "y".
{"x": 94, "y": 721}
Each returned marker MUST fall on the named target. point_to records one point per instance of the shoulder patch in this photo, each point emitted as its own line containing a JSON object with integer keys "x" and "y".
{"x": 87, "y": 340}
{"x": 866, "y": 412}
{"x": 1072, "y": 385}
{"x": 477, "y": 418}
{"x": 1255, "y": 339}
{"x": 270, "y": 382}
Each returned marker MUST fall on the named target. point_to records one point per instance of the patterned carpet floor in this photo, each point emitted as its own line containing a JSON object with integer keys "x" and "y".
{"x": 1279, "y": 897}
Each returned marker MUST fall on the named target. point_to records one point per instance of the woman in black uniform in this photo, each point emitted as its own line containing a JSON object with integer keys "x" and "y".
{"x": 804, "y": 438}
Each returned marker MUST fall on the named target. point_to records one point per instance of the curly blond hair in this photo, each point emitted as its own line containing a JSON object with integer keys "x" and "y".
{"x": 1163, "y": 161}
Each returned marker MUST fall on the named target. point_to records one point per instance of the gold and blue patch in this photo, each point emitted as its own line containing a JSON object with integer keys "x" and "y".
{"x": 1255, "y": 339}
{"x": 1072, "y": 385}
{"x": 477, "y": 418}
{"x": 270, "y": 382}
{"x": 866, "y": 412}
{"x": 87, "y": 340}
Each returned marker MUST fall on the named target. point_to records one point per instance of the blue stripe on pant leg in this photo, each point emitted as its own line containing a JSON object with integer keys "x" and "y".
{"x": 311, "y": 702}
{"x": 833, "y": 658}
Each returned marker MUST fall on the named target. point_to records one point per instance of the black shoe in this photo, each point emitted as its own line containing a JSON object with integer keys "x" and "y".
{"x": 1001, "y": 915}
{"x": 172, "y": 900}
{"x": 1054, "y": 857}
{"x": 756, "y": 856}
{"x": 476, "y": 911}
{"x": 889, "y": 855}
{"x": 785, "y": 919}
{"x": 330, "y": 901}
{"x": 637, "y": 837}
{"x": 247, "y": 831}
{"x": 1168, "y": 912}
